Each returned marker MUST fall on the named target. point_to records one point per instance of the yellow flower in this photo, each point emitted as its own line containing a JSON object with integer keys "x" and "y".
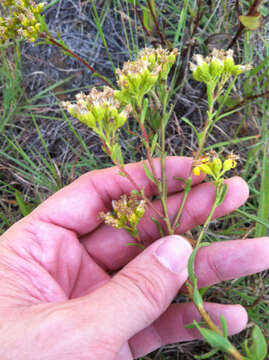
{"x": 220, "y": 64}
{"x": 100, "y": 110}
{"x": 21, "y": 18}
{"x": 126, "y": 214}
{"x": 138, "y": 77}
{"x": 213, "y": 166}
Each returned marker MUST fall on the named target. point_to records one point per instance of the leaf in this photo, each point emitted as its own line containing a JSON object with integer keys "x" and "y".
{"x": 116, "y": 154}
{"x": 147, "y": 19}
{"x": 135, "y": 192}
{"x": 193, "y": 326}
{"x": 25, "y": 209}
{"x": 250, "y": 22}
{"x": 153, "y": 144}
{"x": 258, "y": 349}
{"x": 197, "y": 298}
{"x": 187, "y": 121}
{"x": 51, "y": 4}
{"x": 43, "y": 25}
{"x": 222, "y": 194}
{"x": 207, "y": 355}
{"x": 192, "y": 275}
{"x": 215, "y": 340}
{"x": 224, "y": 325}
{"x": 148, "y": 173}
{"x": 159, "y": 226}
{"x": 136, "y": 244}
{"x": 263, "y": 210}
{"x": 144, "y": 110}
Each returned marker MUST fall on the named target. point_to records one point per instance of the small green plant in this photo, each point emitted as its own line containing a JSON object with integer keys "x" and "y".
{"x": 143, "y": 95}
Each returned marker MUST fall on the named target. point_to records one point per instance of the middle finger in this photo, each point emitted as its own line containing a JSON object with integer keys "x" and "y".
{"x": 108, "y": 246}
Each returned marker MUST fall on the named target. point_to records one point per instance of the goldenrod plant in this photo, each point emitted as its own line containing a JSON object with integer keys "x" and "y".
{"x": 143, "y": 95}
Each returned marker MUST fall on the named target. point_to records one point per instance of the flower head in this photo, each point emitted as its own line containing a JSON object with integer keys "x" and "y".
{"x": 126, "y": 213}
{"x": 22, "y": 18}
{"x": 220, "y": 64}
{"x": 138, "y": 77}
{"x": 100, "y": 110}
{"x": 212, "y": 165}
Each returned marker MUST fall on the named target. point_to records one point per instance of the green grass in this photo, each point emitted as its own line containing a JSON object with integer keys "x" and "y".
{"x": 29, "y": 172}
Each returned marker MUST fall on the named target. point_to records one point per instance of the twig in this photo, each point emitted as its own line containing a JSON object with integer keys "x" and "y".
{"x": 252, "y": 10}
{"x": 163, "y": 41}
{"x": 70, "y": 52}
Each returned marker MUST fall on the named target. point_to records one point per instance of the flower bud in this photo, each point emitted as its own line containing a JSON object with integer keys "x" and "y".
{"x": 216, "y": 67}
{"x": 227, "y": 165}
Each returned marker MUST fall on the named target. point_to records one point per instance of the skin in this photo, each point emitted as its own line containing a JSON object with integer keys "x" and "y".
{"x": 70, "y": 288}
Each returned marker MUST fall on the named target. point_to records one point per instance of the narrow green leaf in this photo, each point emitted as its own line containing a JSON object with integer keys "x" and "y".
{"x": 224, "y": 325}
{"x": 191, "y": 272}
{"x": 159, "y": 226}
{"x": 144, "y": 110}
{"x": 136, "y": 244}
{"x": 51, "y": 4}
{"x": 215, "y": 340}
{"x": 153, "y": 144}
{"x": 208, "y": 355}
{"x": 116, "y": 154}
{"x": 193, "y": 326}
{"x": 187, "y": 121}
{"x": 135, "y": 192}
{"x": 253, "y": 218}
{"x": 25, "y": 209}
{"x": 263, "y": 210}
{"x": 197, "y": 298}
{"x": 222, "y": 194}
{"x": 148, "y": 173}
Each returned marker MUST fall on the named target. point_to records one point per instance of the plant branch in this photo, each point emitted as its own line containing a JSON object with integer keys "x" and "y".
{"x": 70, "y": 52}
{"x": 163, "y": 41}
{"x": 251, "y": 12}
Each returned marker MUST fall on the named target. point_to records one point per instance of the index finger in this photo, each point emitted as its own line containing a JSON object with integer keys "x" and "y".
{"x": 76, "y": 207}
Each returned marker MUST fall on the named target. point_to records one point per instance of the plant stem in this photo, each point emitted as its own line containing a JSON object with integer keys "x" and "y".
{"x": 185, "y": 195}
{"x": 147, "y": 200}
{"x": 163, "y": 41}
{"x": 70, "y": 52}
{"x": 205, "y": 226}
{"x": 147, "y": 145}
{"x": 206, "y": 317}
{"x": 208, "y": 123}
{"x": 162, "y": 185}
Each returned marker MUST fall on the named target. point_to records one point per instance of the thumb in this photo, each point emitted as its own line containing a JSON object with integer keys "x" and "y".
{"x": 138, "y": 294}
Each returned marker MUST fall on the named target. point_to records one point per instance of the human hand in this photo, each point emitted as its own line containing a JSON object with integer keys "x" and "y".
{"x": 58, "y": 299}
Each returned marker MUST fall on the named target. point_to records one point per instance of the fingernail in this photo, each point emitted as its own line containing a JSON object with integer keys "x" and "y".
{"x": 174, "y": 253}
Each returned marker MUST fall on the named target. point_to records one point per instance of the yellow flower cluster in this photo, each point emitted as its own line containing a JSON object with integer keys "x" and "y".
{"x": 126, "y": 214}
{"x": 138, "y": 77}
{"x": 219, "y": 64}
{"x": 106, "y": 111}
{"x": 21, "y": 18}
{"x": 212, "y": 165}
{"x": 100, "y": 111}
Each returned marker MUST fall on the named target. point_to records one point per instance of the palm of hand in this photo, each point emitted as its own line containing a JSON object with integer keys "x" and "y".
{"x": 61, "y": 253}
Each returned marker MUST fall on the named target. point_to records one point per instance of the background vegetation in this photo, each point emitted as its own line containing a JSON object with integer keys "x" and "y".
{"x": 41, "y": 149}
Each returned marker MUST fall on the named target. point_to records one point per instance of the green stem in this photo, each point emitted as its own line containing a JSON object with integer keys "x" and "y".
{"x": 205, "y": 226}
{"x": 185, "y": 195}
{"x": 163, "y": 186}
{"x": 197, "y": 156}
{"x": 200, "y": 307}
